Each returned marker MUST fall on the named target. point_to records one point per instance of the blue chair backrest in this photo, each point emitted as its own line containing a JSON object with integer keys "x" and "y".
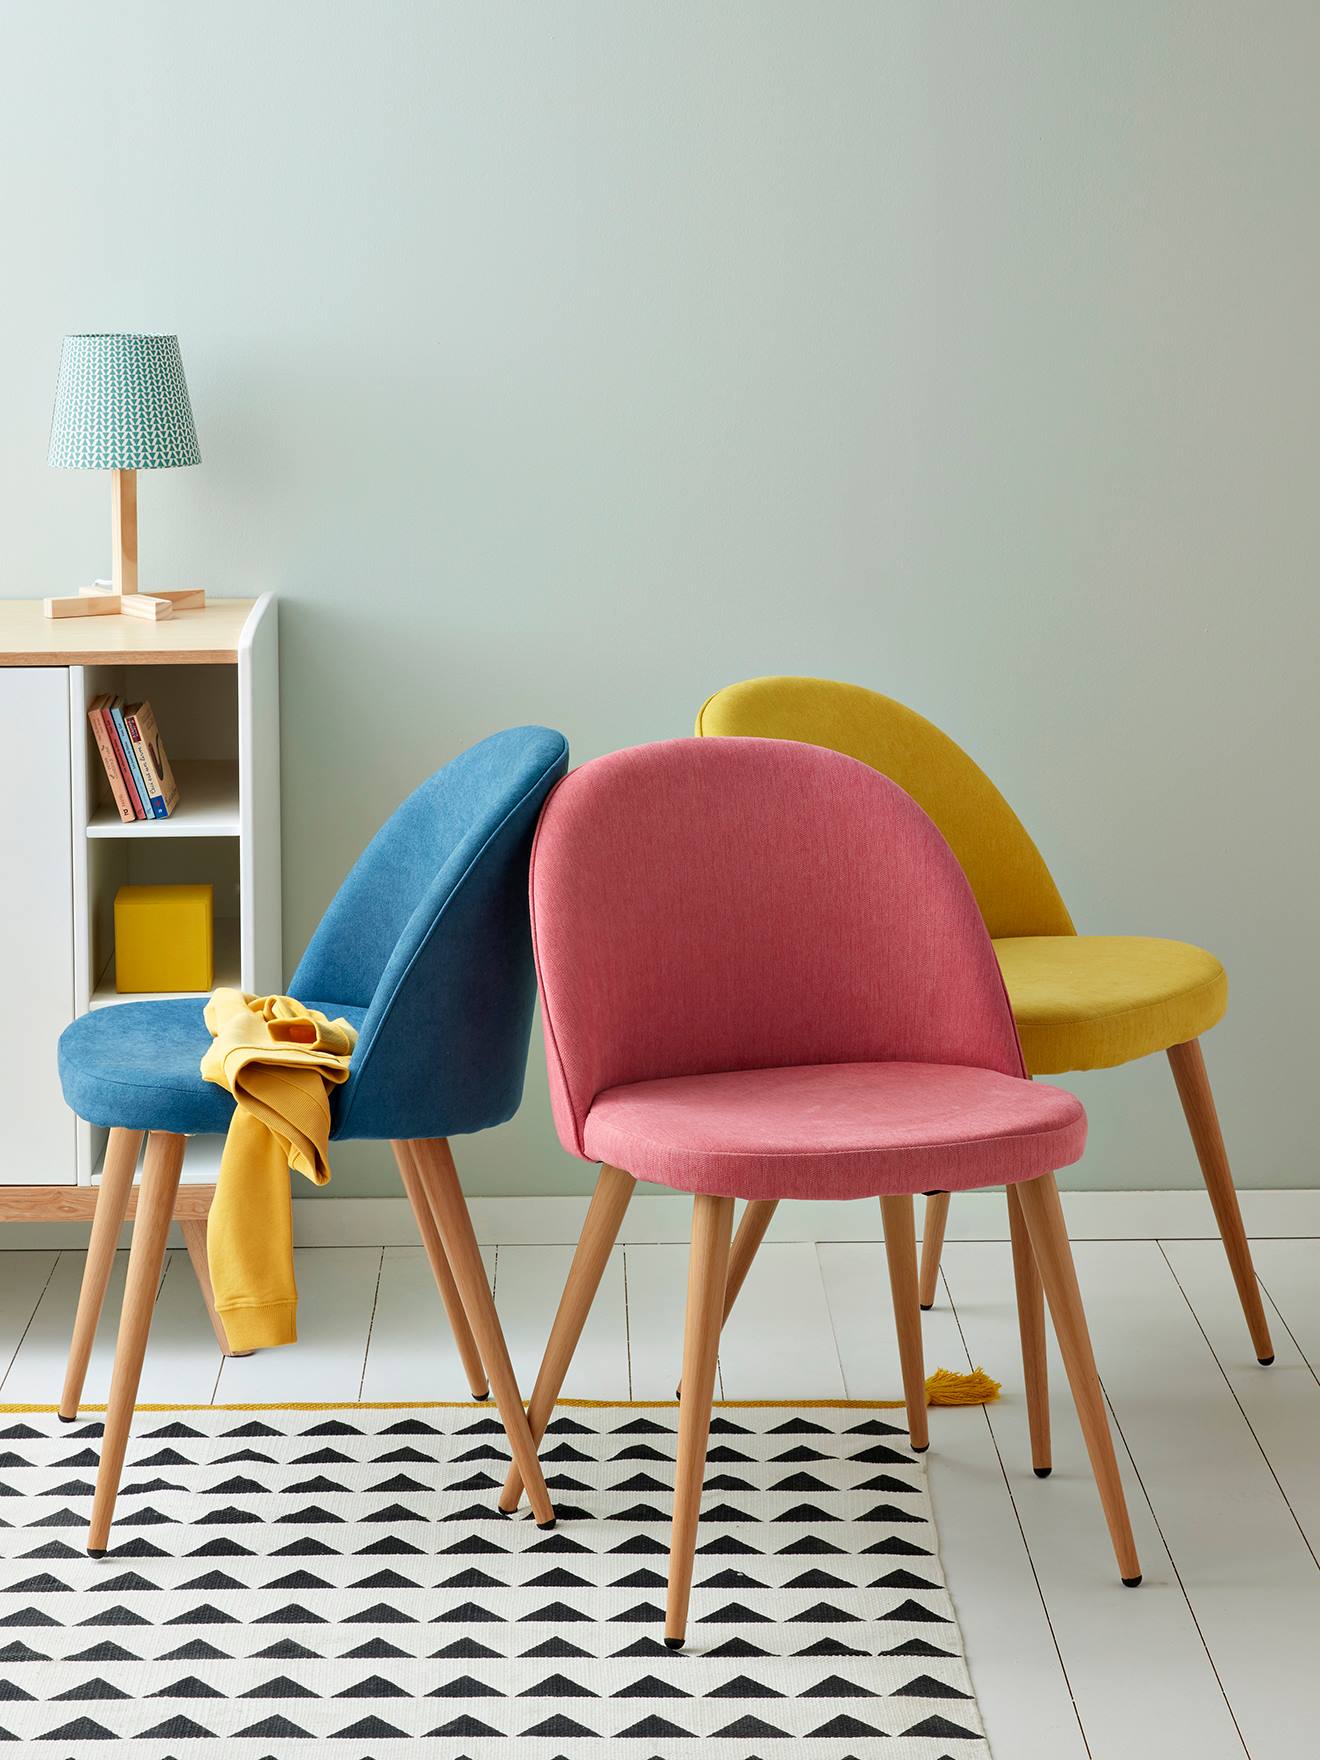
{"x": 429, "y": 933}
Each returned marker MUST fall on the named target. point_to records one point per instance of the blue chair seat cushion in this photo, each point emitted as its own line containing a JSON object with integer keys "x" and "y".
{"x": 135, "y": 1065}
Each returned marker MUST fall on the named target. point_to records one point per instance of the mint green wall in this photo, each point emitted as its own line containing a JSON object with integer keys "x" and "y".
{"x": 562, "y": 362}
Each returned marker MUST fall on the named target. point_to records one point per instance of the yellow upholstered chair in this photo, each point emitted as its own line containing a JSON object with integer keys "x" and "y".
{"x": 1080, "y": 1001}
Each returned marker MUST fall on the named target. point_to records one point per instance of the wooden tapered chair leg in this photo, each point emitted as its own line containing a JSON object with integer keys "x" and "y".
{"x": 614, "y": 1189}
{"x": 1031, "y": 1327}
{"x": 933, "y": 1223}
{"x": 194, "y": 1238}
{"x": 758, "y": 1214}
{"x": 1043, "y": 1214}
{"x": 473, "y": 1367}
{"x": 1198, "y": 1103}
{"x": 435, "y": 1166}
{"x": 898, "y": 1216}
{"x": 708, "y": 1267}
{"x": 121, "y": 1153}
{"x": 151, "y": 1227}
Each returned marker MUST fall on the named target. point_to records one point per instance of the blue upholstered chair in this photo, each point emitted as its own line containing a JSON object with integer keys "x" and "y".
{"x": 426, "y": 950}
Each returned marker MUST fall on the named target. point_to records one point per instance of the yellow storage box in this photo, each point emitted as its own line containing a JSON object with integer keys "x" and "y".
{"x": 163, "y": 938}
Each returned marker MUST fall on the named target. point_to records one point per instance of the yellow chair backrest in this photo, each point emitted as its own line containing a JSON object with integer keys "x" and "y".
{"x": 1013, "y": 886}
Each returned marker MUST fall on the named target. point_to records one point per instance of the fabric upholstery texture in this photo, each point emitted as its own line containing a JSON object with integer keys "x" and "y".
{"x": 1093, "y": 1001}
{"x": 430, "y": 932}
{"x": 425, "y": 950}
{"x": 705, "y": 908}
{"x": 137, "y": 1064}
{"x": 836, "y": 1130}
{"x": 1081, "y": 1002}
{"x": 1013, "y": 886}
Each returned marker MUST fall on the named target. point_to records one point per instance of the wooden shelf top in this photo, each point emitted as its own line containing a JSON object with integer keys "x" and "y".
{"x": 189, "y": 638}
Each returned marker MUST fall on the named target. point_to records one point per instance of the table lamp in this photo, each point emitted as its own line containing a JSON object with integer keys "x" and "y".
{"x": 121, "y": 405}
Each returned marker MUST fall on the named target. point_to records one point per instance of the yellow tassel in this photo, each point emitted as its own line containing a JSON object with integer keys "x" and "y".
{"x": 945, "y": 1388}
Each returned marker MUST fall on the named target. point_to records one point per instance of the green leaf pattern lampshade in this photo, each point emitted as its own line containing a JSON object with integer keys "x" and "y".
{"x": 121, "y": 403}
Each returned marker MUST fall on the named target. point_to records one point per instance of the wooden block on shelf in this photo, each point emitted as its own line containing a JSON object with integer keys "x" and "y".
{"x": 152, "y": 606}
{"x": 181, "y": 598}
{"x": 83, "y": 604}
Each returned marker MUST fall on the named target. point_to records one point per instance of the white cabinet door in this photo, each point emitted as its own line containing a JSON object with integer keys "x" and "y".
{"x": 37, "y": 1130}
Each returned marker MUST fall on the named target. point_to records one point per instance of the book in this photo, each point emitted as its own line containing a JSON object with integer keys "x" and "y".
{"x": 121, "y": 757}
{"x": 105, "y": 745}
{"x": 149, "y": 750}
{"x": 116, "y": 712}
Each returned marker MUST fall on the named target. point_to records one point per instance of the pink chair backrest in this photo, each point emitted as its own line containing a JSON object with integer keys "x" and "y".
{"x": 721, "y": 904}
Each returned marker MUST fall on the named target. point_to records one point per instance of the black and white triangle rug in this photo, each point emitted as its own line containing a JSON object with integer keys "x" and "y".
{"x": 281, "y": 1578}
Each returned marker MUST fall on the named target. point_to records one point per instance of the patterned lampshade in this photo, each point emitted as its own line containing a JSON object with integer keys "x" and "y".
{"x": 121, "y": 403}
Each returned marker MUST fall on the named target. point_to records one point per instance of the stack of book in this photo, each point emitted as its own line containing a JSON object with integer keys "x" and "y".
{"x": 136, "y": 767}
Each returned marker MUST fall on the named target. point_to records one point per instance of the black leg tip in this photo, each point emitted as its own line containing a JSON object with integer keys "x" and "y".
{"x": 74, "y": 1418}
{"x": 1042, "y": 1472}
{"x": 96, "y": 1552}
{"x": 673, "y": 1643}
{"x": 920, "y": 1447}
{"x": 1132, "y": 1582}
{"x": 1265, "y": 1361}
{"x": 485, "y": 1395}
{"x": 926, "y": 1307}
{"x": 545, "y": 1527}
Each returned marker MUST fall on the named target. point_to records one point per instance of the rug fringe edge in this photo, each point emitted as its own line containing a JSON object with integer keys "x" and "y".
{"x": 432, "y": 1405}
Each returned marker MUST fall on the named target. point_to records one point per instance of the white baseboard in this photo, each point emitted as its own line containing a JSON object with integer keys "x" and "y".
{"x": 323, "y": 1221}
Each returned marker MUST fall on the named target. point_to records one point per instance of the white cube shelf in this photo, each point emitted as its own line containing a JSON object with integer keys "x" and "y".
{"x": 212, "y": 677}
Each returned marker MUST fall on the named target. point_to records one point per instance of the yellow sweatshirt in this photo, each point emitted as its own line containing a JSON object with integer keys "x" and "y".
{"x": 278, "y": 1059}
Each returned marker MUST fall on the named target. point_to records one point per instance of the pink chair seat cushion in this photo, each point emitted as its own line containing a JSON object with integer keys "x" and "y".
{"x": 836, "y": 1130}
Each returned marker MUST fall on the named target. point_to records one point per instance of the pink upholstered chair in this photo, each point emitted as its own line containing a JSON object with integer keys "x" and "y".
{"x": 764, "y": 976}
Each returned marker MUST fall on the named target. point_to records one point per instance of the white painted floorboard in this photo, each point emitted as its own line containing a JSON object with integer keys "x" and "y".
{"x": 412, "y": 1354}
{"x": 336, "y": 1299}
{"x": 1139, "y": 1674}
{"x": 657, "y": 1294}
{"x": 1213, "y": 1657}
{"x": 1290, "y": 1272}
{"x": 778, "y": 1342}
{"x": 1020, "y": 1681}
{"x": 23, "y": 1278}
{"x": 183, "y": 1354}
{"x": 528, "y": 1284}
{"x": 1282, "y": 1403}
{"x": 1250, "y": 1578}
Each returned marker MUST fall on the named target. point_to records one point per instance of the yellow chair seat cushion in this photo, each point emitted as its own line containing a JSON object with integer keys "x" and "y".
{"x": 1093, "y": 1001}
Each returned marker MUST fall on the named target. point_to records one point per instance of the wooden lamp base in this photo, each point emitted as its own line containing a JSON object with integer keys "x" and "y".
{"x": 120, "y": 593}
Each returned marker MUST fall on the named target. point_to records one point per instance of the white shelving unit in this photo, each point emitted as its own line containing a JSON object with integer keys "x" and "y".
{"x": 208, "y": 805}
{"x": 212, "y": 678}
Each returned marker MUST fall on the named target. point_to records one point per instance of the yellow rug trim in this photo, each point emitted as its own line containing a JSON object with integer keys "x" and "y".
{"x": 946, "y": 1388}
{"x": 943, "y": 1388}
{"x": 467, "y": 1405}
